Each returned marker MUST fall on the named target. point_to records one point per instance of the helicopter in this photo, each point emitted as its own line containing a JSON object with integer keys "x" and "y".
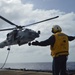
{"x": 19, "y": 35}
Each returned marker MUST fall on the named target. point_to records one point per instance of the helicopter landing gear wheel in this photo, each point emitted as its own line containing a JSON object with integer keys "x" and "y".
{"x": 39, "y": 32}
{"x": 8, "y": 48}
{"x": 29, "y": 43}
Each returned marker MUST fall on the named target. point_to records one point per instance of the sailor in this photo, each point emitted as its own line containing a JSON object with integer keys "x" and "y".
{"x": 59, "y": 46}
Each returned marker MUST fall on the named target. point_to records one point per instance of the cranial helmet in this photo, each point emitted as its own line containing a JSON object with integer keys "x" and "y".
{"x": 56, "y": 28}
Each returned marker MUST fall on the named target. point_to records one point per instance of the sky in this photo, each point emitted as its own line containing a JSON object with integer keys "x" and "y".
{"x": 23, "y": 12}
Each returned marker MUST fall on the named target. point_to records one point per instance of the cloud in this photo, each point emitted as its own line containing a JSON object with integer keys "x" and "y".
{"x": 23, "y": 14}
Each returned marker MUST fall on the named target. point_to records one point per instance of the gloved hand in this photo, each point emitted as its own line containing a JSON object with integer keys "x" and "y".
{"x": 35, "y": 43}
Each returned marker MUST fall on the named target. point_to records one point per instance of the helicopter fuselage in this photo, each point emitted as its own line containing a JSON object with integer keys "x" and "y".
{"x": 20, "y": 37}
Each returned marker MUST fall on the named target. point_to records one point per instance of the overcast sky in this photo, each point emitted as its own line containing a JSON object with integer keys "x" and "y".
{"x": 24, "y": 12}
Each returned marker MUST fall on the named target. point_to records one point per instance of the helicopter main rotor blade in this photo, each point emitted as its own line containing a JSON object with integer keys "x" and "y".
{"x": 41, "y": 21}
{"x": 8, "y": 21}
{"x": 25, "y": 25}
{"x": 7, "y": 29}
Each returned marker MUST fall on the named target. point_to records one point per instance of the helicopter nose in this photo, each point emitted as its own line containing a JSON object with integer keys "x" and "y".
{"x": 37, "y": 34}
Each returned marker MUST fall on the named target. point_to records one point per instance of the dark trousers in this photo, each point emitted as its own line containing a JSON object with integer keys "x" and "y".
{"x": 59, "y": 65}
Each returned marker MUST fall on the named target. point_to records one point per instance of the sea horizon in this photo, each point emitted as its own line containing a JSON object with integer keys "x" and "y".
{"x": 35, "y": 65}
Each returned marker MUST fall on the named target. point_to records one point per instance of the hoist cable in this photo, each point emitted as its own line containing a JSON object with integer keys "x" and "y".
{"x": 5, "y": 59}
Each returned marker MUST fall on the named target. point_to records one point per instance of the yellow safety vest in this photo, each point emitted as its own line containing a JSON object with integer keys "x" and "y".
{"x": 61, "y": 45}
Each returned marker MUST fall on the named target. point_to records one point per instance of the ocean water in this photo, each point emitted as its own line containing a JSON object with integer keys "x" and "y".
{"x": 36, "y": 66}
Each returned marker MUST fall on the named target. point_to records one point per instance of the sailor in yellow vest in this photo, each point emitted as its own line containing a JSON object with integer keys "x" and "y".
{"x": 59, "y": 46}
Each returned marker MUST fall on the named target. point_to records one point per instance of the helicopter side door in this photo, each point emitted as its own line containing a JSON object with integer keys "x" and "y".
{"x": 11, "y": 37}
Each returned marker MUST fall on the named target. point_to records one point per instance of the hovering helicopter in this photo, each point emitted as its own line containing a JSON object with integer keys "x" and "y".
{"x": 20, "y": 36}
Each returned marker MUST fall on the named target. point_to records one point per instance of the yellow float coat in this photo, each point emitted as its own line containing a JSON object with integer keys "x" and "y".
{"x": 61, "y": 45}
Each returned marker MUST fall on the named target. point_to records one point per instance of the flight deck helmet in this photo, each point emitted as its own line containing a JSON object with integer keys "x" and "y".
{"x": 56, "y": 28}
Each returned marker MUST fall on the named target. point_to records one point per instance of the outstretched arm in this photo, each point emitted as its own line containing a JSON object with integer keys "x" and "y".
{"x": 70, "y": 38}
{"x": 49, "y": 41}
